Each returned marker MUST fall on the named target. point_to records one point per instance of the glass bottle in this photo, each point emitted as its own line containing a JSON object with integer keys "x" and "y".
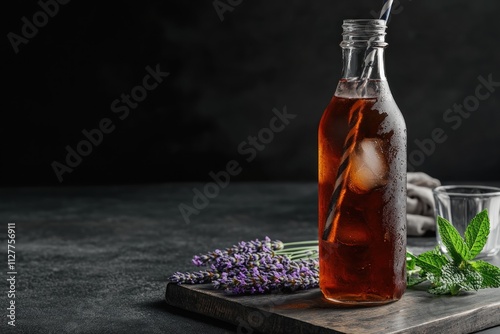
{"x": 362, "y": 177}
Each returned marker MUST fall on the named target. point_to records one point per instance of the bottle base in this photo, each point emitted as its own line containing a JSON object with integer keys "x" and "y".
{"x": 357, "y": 300}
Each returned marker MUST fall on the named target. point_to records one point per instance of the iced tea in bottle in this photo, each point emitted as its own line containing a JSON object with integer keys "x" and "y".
{"x": 362, "y": 177}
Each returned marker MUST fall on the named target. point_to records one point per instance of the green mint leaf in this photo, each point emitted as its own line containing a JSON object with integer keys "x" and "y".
{"x": 410, "y": 261}
{"x": 455, "y": 244}
{"x": 477, "y": 233}
{"x": 454, "y": 279}
{"x": 473, "y": 280}
{"x": 437, "y": 250}
{"x": 413, "y": 276}
{"x": 414, "y": 280}
{"x": 489, "y": 273}
{"x": 431, "y": 262}
{"x": 438, "y": 287}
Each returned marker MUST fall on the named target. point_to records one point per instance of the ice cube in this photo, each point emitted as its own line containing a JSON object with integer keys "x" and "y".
{"x": 368, "y": 166}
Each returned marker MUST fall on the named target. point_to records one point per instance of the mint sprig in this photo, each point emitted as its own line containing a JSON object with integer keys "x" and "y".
{"x": 457, "y": 271}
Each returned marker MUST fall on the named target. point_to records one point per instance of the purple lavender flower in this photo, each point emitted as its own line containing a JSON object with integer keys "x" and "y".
{"x": 240, "y": 260}
{"x": 255, "y": 246}
{"x": 198, "y": 277}
{"x": 271, "y": 274}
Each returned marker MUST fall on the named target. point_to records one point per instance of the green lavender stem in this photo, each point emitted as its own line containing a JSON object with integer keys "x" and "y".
{"x": 300, "y": 250}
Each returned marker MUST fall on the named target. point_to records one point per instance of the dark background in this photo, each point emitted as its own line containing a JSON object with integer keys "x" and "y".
{"x": 225, "y": 79}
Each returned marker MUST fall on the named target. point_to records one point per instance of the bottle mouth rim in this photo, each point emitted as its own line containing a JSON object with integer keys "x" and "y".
{"x": 375, "y": 22}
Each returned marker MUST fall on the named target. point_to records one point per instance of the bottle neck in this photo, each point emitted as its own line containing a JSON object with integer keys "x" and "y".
{"x": 363, "y": 63}
{"x": 363, "y": 50}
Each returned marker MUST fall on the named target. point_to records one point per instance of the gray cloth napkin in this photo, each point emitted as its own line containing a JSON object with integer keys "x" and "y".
{"x": 420, "y": 203}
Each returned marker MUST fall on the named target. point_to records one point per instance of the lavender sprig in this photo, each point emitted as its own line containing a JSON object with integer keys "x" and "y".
{"x": 257, "y": 267}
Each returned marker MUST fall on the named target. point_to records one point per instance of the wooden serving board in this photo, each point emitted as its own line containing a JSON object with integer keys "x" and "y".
{"x": 308, "y": 312}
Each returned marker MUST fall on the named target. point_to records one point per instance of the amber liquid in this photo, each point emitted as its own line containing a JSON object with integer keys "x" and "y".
{"x": 363, "y": 259}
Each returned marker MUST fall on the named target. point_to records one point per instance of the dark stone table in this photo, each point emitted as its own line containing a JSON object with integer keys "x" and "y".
{"x": 97, "y": 259}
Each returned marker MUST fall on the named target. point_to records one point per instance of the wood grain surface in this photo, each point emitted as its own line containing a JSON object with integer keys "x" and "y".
{"x": 308, "y": 312}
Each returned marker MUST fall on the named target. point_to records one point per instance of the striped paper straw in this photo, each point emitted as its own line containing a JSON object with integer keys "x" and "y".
{"x": 344, "y": 168}
{"x": 355, "y": 118}
{"x": 386, "y": 10}
{"x": 370, "y": 52}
